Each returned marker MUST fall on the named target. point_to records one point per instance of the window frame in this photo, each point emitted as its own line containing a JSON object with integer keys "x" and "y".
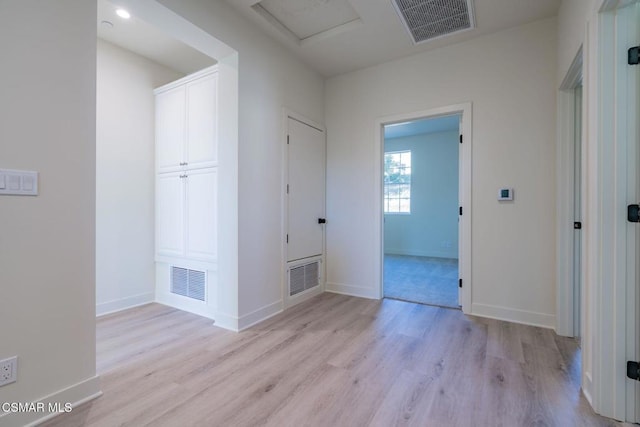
{"x": 385, "y": 186}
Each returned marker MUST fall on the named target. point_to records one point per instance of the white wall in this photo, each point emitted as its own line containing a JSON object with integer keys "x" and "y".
{"x": 573, "y": 16}
{"x": 47, "y": 243}
{"x": 269, "y": 79}
{"x": 431, "y": 229}
{"x": 125, "y": 270}
{"x": 510, "y": 79}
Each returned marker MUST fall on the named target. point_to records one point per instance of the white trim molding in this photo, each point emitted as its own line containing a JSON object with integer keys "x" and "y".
{"x": 237, "y": 324}
{"x": 353, "y": 290}
{"x": 525, "y": 317}
{"x": 115, "y": 306}
{"x": 74, "y": 395}
{"x": 263, "y": 313}
{"x": 565, "y": 167}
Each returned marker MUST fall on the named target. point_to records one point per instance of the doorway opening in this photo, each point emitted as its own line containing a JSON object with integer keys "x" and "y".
{"x": 421, "y": 210}
{"x": 425, "y": 206}
{"x": 147, "y": 48}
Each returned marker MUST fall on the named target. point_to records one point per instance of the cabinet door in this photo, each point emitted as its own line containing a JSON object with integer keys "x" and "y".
{"x": 170, "y": 215}
{"x": 202, "y": 129}
{"x": 170, "y": 129}
{"x": 202, "y": 214}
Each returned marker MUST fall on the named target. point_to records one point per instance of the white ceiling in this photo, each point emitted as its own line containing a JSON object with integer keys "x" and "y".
{"x": 418, "y": 127}
{"x": 379, "y": 35}
{"x": 306, "y": 18}
{"x": 137, "y": 36}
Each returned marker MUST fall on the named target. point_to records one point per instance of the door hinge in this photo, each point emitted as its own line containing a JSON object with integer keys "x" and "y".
{"x": 459, "y": 283}
{"x": 634, "y": 55}
{"x": 577, "y": 225}
{"x": 287, "y": 139}
{"x": 633, "y": 213}
{"x": 287, "y": 238}
{"x": 287, "y": 188}
{"x": 460, "y": 139}
{"x": 460, "y": 210}
{"x": 633, "y": 370}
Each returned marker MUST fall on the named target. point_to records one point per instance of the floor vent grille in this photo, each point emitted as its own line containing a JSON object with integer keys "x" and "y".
{"x": 188, "y": 283}
{"x": 304, "y": 277}
{"x": 430, "y": 19}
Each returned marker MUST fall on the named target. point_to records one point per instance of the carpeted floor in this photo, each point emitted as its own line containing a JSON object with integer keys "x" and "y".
{"x": 421, "y": 279}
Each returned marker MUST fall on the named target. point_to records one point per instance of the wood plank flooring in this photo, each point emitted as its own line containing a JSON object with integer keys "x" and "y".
{"x": 333, "y": 361}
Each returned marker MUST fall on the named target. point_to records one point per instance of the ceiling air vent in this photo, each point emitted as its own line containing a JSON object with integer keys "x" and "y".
{"x": 430, "y": 19}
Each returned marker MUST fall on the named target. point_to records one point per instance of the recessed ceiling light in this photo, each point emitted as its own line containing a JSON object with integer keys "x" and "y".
{"x": 123, "y": 13}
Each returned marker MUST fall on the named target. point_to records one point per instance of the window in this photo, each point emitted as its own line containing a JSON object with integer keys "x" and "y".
{"x": 397, "y": 182}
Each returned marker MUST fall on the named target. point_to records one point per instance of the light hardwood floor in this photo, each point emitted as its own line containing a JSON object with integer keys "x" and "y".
{"x": 333, "y": 361}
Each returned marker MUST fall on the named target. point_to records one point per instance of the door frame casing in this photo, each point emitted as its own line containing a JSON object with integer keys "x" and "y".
{"x": 464, "y": 194}
{"x": 288, "y": 301}
{"x": 565, "y": 196}
{"x": 612, "y": 329}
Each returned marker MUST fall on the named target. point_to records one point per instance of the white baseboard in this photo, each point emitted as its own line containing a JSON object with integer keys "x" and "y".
{"x": 237, "y": 324}
{"x": 430, "y": 254}
{"x": 587, "y": 387}
{"x": 226, "y": 321}
{"x": 352, "y": 290}
{"x": 123, "y": 303}
{"x": 303, "y": 296}
{"x": 259, "y": 315}
{"x": 76, "y": 395}
{"x": 531, "y": 318}
{"x": 191, "y": 305}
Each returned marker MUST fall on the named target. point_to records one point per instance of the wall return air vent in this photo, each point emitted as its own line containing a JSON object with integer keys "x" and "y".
{"x": 188, "y": 283}
{"x": 304, "y": 277}
{"x": 431, "y": 19}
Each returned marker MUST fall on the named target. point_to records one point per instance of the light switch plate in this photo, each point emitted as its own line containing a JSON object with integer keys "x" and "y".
{"x": 18, "y": 182}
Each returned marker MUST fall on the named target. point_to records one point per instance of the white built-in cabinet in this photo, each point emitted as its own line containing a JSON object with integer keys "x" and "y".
{"x": 186, "y": 125}
{"x": 186, "y": 214}
{"x": 186, "y": 167}
{"x": 186, "y": 176}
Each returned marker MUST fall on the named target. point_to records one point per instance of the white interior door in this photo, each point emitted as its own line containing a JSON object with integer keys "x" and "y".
{"x": 460, "y": 202}
{"x": 630, "y": 16}
{"x": 306, "y": 190}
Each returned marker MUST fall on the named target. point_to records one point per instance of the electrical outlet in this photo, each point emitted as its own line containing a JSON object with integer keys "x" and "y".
{"x": 8, "y": 370}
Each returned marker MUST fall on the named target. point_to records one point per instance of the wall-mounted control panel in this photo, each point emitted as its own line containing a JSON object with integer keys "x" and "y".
{"x": 18, "y": 183}
{"x": 505, "y": 194}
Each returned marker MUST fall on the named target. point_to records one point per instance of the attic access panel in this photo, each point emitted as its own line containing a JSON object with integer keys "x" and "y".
{"x": 430, "y": 19}
{"x": 307, "y": 18}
